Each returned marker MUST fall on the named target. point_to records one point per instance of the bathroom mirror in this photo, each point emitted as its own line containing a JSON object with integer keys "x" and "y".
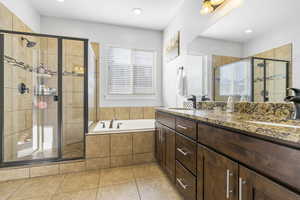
{"x": 250, "y": 57}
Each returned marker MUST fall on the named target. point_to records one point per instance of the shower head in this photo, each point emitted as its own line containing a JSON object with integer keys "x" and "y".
{"x": 29, "y": 44}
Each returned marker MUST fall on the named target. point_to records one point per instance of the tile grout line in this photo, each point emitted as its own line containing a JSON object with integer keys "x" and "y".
{"x": 136, "y": 184}
{"x": 11, "y": 195}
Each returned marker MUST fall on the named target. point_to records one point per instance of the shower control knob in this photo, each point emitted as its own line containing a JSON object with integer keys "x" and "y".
{"x": 22, "y": 88}
{"x": 55, "y": 98}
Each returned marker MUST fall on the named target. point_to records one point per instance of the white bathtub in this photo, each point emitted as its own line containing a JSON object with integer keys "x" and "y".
{"x": 140, "y": 125}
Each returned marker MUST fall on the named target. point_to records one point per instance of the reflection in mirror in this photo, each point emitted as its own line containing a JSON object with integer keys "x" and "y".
{"x": 233, "y": 80}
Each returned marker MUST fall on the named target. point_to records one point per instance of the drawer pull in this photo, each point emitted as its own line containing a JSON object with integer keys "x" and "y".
{"x": 182, "y": 127}
{"x": 241, "y": 183}
{"x": 228, "y": 191}
{"x": 182, "y": 152}
{"x": 181, "y": 183}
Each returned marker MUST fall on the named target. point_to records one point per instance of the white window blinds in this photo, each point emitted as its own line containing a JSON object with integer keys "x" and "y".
{"x": 130, "y": 71}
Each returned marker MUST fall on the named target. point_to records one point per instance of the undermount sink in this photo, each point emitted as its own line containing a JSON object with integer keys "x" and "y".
{"x": 274, "y": 124}
{"x": 180, "y": 108}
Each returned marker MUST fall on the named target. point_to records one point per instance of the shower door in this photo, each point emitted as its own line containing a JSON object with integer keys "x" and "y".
{"x": 30, "y": 98}
{"x": 43, "y": 98}
{"x": 270, "y": 80}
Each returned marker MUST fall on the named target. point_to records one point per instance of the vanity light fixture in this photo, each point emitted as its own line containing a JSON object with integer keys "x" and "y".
{"x": 137, "y": 11}
{"x": 216, "y": 2}
{"x": 209, "y": 6}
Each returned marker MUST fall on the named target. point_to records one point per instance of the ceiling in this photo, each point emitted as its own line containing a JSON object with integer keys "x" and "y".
{"x": 156, "y": 13}
{"x": 261, "y": 16}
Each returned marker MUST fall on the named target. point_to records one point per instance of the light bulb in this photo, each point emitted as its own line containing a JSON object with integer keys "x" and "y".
{"x": 206, "y": 8}
{"x": 137, "y": 11}
{"x": 216, "y": 2}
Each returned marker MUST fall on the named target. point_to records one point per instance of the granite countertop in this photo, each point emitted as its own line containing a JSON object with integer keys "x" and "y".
{"x": 283, "y": 131}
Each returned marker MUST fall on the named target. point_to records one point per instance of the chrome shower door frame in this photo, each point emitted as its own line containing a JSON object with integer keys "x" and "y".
{"x": 60, "y": 99}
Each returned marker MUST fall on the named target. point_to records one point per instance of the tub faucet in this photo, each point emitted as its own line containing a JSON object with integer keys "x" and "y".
{"x": 111, "y": 123}
{"x": 103, "y": 124}
{"x": 296, "y": 100}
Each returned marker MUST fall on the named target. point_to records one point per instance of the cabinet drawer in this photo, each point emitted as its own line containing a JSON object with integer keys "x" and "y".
{"x": 186, "y": 152}
{"x": 186, "y": 127}
{"x": 165, "y": 119}
{"x": 185, "y": 182}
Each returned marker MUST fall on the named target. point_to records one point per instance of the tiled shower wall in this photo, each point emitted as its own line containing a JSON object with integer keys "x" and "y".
{"x": 18, "y": 108}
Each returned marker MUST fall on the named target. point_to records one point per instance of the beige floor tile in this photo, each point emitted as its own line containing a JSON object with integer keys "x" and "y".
{"x": 147, "y": 170}
{"x": 80, "y": 181}
{"x": 123, "y": 191}
{"x": 8, "y": 188}
{"x": 116, "y": 176}
{"x": 158, "y": 188}
{"x": 81, "y": 195}
{"x": 35, "y": 187}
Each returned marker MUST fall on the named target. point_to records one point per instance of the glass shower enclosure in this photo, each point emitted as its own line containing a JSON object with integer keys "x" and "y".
{"x": 43, "y": 101}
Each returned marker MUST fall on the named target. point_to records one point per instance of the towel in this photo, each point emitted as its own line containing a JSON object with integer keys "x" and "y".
{"x": 180, "y": 82}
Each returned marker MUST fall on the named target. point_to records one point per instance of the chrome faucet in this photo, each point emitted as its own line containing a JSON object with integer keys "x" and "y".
{"x": 296, "y": 100}
{"x": 111, "y": 123}
{"x": 194, "y": 100}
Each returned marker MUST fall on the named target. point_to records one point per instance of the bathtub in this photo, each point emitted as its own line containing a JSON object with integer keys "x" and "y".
{"x": 139, "y": 125}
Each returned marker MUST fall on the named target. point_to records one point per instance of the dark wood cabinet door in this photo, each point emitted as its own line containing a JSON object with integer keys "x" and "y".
{"x": 170, "y": 153}
{"x": 253, "y": 186}
{"x": 220, "y": 177}
{"x": 160, "y": 145}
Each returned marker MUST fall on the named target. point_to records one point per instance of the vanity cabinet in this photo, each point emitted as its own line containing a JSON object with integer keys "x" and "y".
{"x": 253, "y": 186}
{"x": 215, "y": 164}
{"x": 170, "y": 153}
{"x": 165, "y": 149}
{"x": 219, "y": 176}
{"x": 160, "y": 147}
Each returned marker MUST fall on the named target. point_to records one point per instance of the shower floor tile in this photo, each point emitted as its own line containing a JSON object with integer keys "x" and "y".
{"x": 140, "y": 182}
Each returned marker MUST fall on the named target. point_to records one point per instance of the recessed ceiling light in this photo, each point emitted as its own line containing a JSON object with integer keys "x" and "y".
{"x": 137, "y": 11}
{"x": 60, "y": 0}
{"x": 248, "y": 31}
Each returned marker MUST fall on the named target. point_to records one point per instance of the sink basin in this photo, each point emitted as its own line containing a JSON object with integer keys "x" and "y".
{"x": 180, "y": 108}
{"x": 274, "y": 124}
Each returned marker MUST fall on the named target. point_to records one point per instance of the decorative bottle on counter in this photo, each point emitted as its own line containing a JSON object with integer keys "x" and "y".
{"x": 230, "y": 105}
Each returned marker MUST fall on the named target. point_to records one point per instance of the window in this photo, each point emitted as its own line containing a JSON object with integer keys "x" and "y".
{"x": 130, "y": 72}
{"x": 235, "y": 79}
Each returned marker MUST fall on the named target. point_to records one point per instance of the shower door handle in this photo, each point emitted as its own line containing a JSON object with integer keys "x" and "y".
{"x": 55, "y": 98}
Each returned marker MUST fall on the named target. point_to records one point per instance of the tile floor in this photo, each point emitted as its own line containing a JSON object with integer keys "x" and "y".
{"x": 139, "y": 182}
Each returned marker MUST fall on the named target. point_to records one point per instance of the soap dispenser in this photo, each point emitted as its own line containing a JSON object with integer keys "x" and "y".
{"x": 230, "y": 105}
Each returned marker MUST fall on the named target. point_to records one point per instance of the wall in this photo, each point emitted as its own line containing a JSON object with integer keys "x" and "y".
{"x": 106, "y": 34}
{"x": 275, "y": 38}
{"x": 25, "y": 12}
